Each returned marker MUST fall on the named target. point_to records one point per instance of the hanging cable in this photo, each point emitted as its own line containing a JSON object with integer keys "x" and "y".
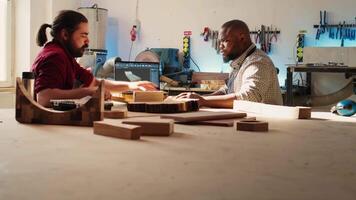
{"x": 130, "y": 50}
{"x": 195, "y": 63}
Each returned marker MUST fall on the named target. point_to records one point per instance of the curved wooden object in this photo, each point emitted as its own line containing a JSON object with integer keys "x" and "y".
{"x": 29, "y": 111}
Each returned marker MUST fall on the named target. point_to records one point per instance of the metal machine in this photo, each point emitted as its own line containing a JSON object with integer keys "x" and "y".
{"x": 168, "y": 58}
{"x": 137, "y": 71}
{"x": 95, "y": 56}
{"x": 329, "y": 88}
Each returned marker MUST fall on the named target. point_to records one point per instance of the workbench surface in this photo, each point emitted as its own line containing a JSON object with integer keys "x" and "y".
{"x": 296, "y": 159}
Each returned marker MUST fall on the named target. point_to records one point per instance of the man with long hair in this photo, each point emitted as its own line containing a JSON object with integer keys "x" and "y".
{"x": 56, "y": 69}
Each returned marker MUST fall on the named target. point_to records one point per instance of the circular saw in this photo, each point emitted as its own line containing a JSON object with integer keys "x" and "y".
{"x": 147, "y": 56}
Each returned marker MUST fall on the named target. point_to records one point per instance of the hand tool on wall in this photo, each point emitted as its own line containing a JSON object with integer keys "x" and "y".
{"x": 274, "y": 35}
{"x": 206, "y": 34}
{"x": 353, "y": 34}
{"x": 331, "y": 33}
{"x": 133, "y": 33}
{"x": 217, "y": 47}
{"x": 263, "y": 38}
{"x": 325, "y": 25}
{"x": 342, "y": 31}
{"x": 268, "y": 42}
{"x": 338, "y": 30}
{"x": 213, "y": 42}
{"x": 258, "y": 32}
{"x": 322, "y": 27}
{"x": 318, "y": 32}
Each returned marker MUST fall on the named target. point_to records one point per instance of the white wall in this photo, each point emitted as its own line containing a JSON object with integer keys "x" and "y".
{"x": 163, "y": 23}
{"x": 29, "y": 16}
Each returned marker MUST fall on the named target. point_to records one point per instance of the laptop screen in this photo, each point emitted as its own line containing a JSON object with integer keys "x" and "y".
{"x": 137, "y": 71}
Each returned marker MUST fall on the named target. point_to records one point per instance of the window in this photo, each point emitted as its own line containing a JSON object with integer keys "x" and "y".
{"x": 5, "y": 44}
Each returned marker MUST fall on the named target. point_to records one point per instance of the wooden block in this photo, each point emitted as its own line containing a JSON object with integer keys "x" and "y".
{"x": 115, "y": 114}
{"x": 148, "y": 96}
{"x": 203, "y": 116}
{"x": 118, "y": 130}
{"x": 168, "y": 80}
{"x": 304, "y": 112}
{"x": 222, "y": 122}
{"x": 153, "y": 127}
{"x": 252, "y": 125}
{"x": 268, "y": 110}
{"x": 136, "y": 106}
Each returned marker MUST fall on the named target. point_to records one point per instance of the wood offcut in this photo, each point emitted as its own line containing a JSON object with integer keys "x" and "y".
{"x": 117, "y": 130}
{"x": 268, "y": 110}
{"x": 115, "y": 114}
{"x": 153, "y": 127}
{"x": 252, "y": 125}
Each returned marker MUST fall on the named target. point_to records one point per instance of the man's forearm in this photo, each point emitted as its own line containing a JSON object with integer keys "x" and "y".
{"x": 116, "y": 86}
{"x": 217, "y": 92}
{"x": 219, "y": 101}
{"x": 113, "y": 86}
{"x": 44, "y": 96}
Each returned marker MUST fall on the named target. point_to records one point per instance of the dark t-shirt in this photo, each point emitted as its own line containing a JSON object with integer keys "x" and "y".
{"x": 54, "y": 67}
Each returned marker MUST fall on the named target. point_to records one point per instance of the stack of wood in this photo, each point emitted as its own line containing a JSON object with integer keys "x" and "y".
{"x": 154, "y": 102}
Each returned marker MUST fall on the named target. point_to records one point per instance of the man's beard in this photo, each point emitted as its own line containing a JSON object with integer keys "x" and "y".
{"x": 228, "y": 58}
{"x": 75, "y": 52}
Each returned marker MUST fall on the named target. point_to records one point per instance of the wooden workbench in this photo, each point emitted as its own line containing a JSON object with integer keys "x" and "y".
{"x": 296, "y": 159}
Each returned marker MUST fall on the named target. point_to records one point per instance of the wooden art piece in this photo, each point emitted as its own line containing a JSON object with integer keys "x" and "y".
{"x": 29, "y": 111}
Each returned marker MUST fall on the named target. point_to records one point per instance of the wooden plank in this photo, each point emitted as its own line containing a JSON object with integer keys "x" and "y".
{"x": 268, "y": 110}
{"x": 115, "y": 114}
{"x": 222, "y": 122}
{"x": 148, "y": 96}
{"x": 153, "y": 127}
{"x": 202, "y": 116}
{"x": 117, "y": 130}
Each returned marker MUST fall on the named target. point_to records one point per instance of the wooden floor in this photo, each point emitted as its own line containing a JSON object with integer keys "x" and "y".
{"x": 296, "y": 159}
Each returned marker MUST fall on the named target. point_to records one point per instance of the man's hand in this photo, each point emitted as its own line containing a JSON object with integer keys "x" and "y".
{"x": 192, "y": 95}
{"x": 143, "y": 86}
{"x": 107, "y": 95}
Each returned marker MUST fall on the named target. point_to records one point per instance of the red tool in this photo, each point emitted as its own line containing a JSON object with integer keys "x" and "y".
{"x": 133, "y": 33}
{"x": 206, "y": 33}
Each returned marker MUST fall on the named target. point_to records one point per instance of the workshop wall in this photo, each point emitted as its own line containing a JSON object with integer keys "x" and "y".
{"x": 163, "y": 23}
